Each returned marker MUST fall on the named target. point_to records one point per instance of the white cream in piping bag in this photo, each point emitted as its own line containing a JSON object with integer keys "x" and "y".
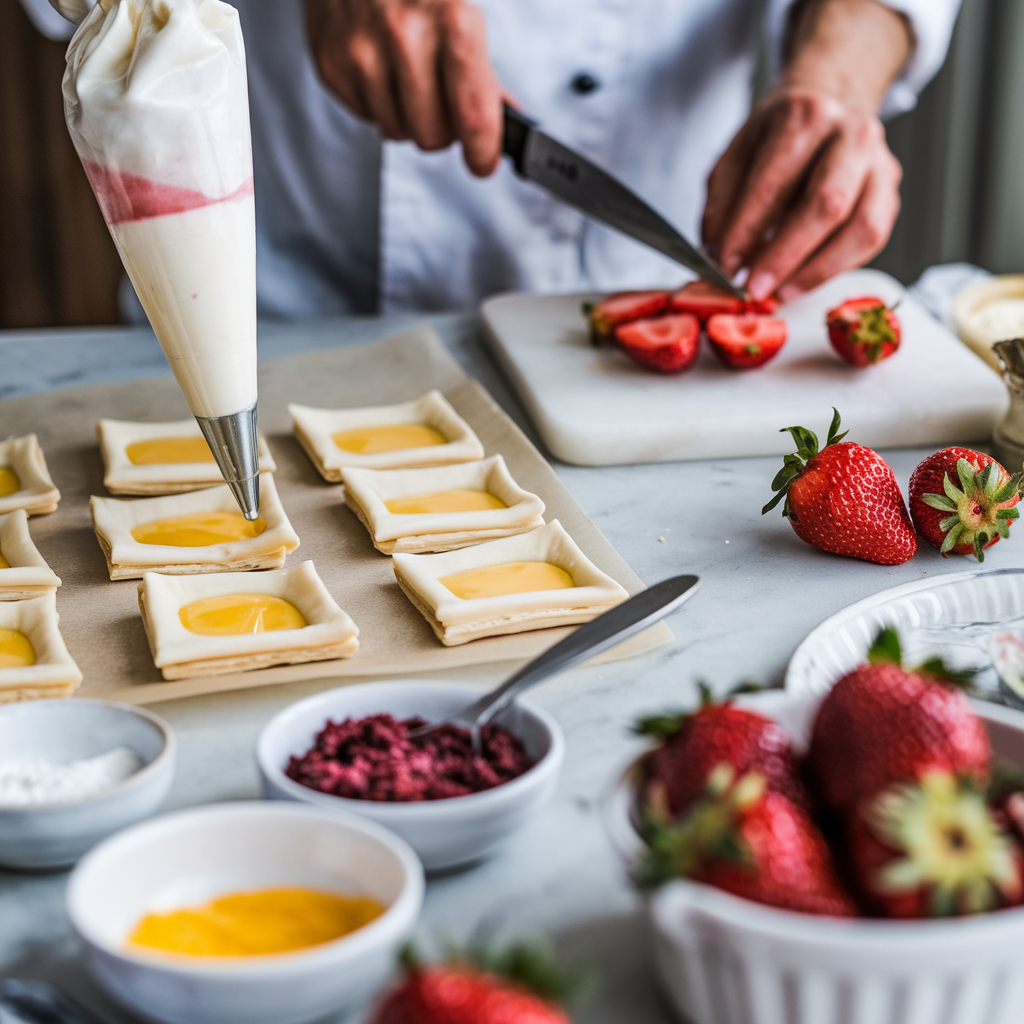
{"x": 157, "y": 105}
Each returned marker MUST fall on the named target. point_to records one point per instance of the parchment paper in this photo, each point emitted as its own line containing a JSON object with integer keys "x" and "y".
{"x": 100, "y": 619}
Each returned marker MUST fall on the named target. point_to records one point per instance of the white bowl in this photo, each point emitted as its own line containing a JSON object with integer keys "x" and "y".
{"x": 445, "y": 833}
{"x": 193, "y": 856}
{"x": 726, "y": 960}
{"x": 56, "y": 835}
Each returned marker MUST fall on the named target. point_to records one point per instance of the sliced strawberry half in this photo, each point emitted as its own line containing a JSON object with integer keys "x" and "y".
{"x": 668, "y": 344}
{"x": 622, "y": 308}
{"x": 704, "y": 300}
{"x": 745, "y": 340}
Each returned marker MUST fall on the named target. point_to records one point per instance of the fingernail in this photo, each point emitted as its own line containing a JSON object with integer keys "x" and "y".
{"x": 761, "y": 284}
{"x": 731, "y": 263}
{"x": 790, "y": 292}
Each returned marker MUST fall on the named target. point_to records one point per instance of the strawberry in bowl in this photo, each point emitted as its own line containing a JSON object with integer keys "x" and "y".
{"x": 743, "y": 898}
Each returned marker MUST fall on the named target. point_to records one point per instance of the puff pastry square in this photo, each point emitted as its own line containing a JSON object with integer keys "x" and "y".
{"x": 55, "y": 673}
{"x": 37, "y": 495}
{"x": 122, "y": 476}
{"x": 458, "y": 620}
{"x": 368, "y": 490}
{"x": 114, "y": 519}
{"x": 315, "y": 428}
{"x": 27, "y": 574}
{"x": 182, "y": 654}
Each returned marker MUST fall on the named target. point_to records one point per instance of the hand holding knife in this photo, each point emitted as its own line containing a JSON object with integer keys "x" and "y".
{"x": 574, "y": 180}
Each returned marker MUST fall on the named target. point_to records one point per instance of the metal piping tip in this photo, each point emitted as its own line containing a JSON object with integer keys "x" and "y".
{"x": 233, "y": 441}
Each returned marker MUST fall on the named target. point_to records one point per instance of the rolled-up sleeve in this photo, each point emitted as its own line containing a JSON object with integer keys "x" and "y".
{"x": 931, "y": 23}
{"x": 47, "y": 20}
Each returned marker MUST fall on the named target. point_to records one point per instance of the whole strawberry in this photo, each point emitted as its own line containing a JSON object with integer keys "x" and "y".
{"x": 962, "y": 501}
{"x": 695, "y": 743}
{"x": 864, "y": 331}
{"x": 843, "y": 499}
{"x": 748, "y": 840}
{"x": 882, "y": 724}
{"x": 476, "y": 990}
{"x": 933, "y": 848}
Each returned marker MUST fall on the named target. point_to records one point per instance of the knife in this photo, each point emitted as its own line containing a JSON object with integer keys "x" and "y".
{"x": 578, "y": 182}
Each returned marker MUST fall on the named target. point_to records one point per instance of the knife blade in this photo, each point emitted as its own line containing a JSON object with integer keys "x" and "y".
{"x": 582, "y": 184}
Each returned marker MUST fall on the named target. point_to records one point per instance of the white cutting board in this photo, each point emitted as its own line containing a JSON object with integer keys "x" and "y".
{"x": 595, "y": 407}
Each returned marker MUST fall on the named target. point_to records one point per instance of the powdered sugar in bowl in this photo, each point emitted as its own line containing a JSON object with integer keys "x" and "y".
{"x": 74, "y": 771}
{"x": 451, "y": 811}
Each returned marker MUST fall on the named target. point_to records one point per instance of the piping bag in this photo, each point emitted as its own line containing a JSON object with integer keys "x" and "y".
{"x": 157, "y": 105}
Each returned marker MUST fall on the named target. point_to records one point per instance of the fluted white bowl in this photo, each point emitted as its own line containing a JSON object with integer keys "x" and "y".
{"x": 445, "y": 833}
{"x": 192, "y": 856}
{"x": 726, "y": 960}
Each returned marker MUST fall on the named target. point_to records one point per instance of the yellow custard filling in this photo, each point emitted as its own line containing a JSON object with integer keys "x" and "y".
{"x": 508, "y": 578}
{"x": 16, "y": 650}
{"x": 390, "y": 437}
{"x": 257, "y": 923}
{"x": 9, "y": 482}
{"x": 4, "y": 564}
{"x": 461, "y": 499}
{"x": 160, "y": 450}
{"x": 234, "y": 614}
{"x": 199, "y": 529}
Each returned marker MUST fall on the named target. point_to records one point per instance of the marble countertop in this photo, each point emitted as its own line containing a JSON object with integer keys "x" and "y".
{"x": 763, "y": 591}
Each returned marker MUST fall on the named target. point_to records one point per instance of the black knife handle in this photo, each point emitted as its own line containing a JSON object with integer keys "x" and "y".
{"x": 517, "y": 129}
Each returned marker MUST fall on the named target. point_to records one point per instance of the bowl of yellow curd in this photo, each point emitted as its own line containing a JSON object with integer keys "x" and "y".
{"x": 75, "y": 771}
{"x": 245, "y": 913}
{"x": 345, "y": 751}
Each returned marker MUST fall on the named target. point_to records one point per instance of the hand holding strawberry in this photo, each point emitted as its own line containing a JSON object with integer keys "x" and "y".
{"x": 843, "y": 499}
{"x": 963, "y": 501}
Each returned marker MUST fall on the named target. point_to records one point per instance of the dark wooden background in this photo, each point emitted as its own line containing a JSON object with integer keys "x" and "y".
{"x": 58, "y": 266}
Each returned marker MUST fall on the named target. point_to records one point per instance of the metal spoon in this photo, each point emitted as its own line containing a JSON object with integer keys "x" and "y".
{"x": 622, "y": 621}
{"x": 27, "y": 1001}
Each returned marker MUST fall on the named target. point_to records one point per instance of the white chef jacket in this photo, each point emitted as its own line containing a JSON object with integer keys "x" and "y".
{"x": 348, "y": 224}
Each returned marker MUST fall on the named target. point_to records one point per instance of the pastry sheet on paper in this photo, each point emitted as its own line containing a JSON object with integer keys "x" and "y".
{"x": 100, "y": 620}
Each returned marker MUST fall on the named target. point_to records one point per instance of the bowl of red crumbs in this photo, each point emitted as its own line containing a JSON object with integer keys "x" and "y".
{"x": 351, "y": 749}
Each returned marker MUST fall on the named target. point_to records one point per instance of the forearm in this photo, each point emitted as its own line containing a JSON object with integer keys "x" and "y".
{"x": 850, "y": 49}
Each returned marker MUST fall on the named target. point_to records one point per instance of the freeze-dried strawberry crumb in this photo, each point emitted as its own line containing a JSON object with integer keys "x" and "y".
{"x": 374, "y": 759}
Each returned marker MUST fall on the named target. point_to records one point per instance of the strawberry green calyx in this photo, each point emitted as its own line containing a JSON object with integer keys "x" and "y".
{"x": 793, "y": 465}
{"x": 874, "y": 332}
{"x": 886, "y": 649}
{"x": 947, "y": 843}
{"x": 980, "y": 508}
{"x": 710, "y": 830}
{"x": 668, "y": 723}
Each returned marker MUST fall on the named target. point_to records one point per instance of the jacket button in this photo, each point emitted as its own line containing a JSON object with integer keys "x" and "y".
{"x": 584, "y": 83}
